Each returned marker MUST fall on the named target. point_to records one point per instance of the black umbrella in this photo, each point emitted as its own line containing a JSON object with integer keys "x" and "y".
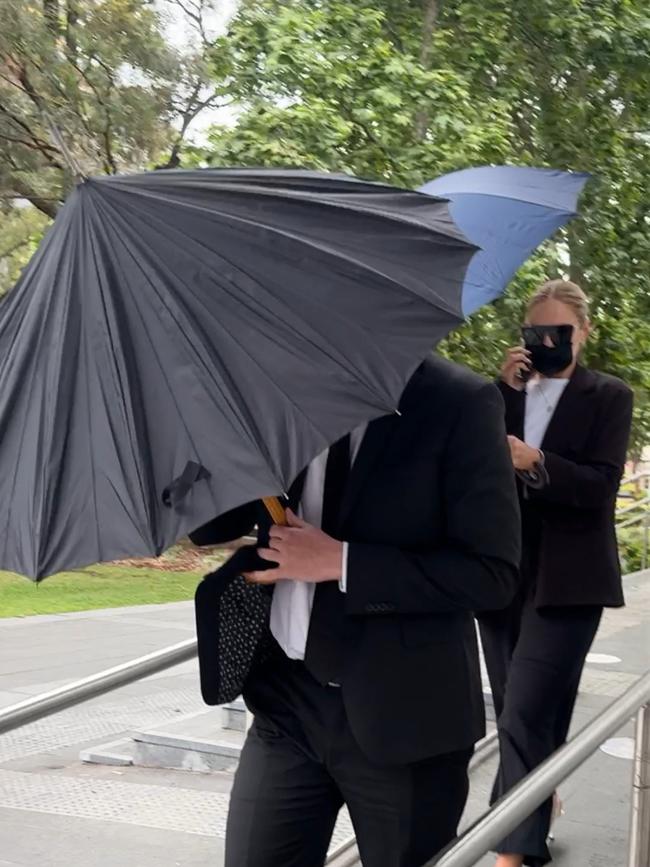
{"x": 183, "y": 342}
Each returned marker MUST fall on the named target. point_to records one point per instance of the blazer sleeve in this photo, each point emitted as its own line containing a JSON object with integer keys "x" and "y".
{"x": 589, "y": 483}
{"x": 227, "y": 527}
{"x": 477, "y": 566}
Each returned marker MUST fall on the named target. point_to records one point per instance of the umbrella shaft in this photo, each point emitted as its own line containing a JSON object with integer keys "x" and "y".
{"x": 276, "y": 510}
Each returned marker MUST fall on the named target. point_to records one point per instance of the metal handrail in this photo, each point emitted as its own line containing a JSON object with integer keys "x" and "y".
{"x": 637, "y": 519}
{"x": 510, "y": 810}
{"x": 641, "y": 503}
{"x": 639, "y": 852}
{"x": 644, "y": 474}
{"x": 47, "y": 703}
{"x": 504, "y": 816}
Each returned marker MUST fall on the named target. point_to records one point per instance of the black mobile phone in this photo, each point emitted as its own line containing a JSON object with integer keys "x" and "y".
{"x": 524, "y": 374}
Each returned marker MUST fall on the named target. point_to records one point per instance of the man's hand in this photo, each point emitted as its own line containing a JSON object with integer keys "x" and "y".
{"x": 524, "y": 457}
{"x": 302, "y": 552}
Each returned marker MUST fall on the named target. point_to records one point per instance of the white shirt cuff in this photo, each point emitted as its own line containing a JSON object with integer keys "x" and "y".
{"x": 343, "y": 583}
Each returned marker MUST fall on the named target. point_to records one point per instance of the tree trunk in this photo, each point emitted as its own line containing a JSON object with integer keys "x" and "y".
{"x": 51, "y": 12}
{"x": 431, "y": 12}
{"x": 45, "y": 206}
{"x": 576, "y": 272}
{"x": 71, "y": 19}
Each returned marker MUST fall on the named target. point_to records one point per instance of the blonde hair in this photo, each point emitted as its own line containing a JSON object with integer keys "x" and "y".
{"x": 565, "y": 291}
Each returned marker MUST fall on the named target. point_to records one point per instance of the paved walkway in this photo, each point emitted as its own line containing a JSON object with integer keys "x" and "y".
{"x": 56, "y": 811}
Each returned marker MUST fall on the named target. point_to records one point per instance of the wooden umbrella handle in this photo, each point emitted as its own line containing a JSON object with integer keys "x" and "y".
{"x": 276, "y": 510}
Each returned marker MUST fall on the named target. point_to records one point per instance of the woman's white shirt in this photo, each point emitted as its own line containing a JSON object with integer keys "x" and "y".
{"x": 542, "y": 397}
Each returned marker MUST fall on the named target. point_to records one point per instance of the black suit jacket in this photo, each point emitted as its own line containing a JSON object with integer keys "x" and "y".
{"x": 432, "y": 519}
{"x": 570, "y": 548}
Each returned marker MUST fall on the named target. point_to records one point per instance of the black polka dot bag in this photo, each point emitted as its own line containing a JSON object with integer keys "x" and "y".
{"x": 232, "y": 625}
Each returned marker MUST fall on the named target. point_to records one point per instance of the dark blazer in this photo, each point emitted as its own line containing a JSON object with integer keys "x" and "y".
{"x": 432, "y": 519}
{"x": 570, "y": 550}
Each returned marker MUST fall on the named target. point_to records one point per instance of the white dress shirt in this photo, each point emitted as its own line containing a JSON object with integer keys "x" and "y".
{"x": 293, "y": 600}
{"x": 542, "y": 396}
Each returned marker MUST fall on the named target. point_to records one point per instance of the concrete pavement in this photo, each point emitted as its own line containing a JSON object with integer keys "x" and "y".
{"x": 54, "y": 810}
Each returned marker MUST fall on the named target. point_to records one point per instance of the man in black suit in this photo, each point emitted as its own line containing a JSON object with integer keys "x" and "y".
{"x": 372, "y": 696}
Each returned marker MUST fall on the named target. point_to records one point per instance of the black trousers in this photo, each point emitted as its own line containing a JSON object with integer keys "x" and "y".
{"x": 534, "y": 660}
{"x": 301, "y": 763}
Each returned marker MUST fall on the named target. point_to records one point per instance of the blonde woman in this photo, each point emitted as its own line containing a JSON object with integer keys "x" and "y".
{"x": 568, "y": 431}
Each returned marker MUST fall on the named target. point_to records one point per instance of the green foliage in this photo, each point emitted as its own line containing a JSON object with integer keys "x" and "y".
{"x": 396, "y": 90}
{"x": 633, "y": 549}
{"x": 325, "y": 85}
{"x": 170, "y": 578}
{"x": 99, "y": 587}
{"x": 22, "y": 229}
{"x": 404, "y": 91}
{"x": 96, "y": 80}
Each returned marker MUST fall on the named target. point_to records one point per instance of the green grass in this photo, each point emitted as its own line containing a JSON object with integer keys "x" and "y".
{"x": 102, "y": 586}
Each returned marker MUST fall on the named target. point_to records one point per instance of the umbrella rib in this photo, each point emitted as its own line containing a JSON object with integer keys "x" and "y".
{"x": 323, "y": 199}
{"x": 510, "y": 198}
{"x": 24, "y": 422}
{"x": 325, "y": 250}
{"x": 134, "y": 258}
{"x": 122, "y": 237}
{"x": 322, "y": 349}
{"x": 117, "y": 379}
{"x": 46, "y": 512}
{"x": 86, "y": 227}
{"x": 381, "y": 406}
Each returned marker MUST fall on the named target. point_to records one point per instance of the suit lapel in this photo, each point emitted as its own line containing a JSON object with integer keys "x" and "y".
{"x": 569, "y": 410}
{"x": 377, "y": 436}
{"x": 372, "y": 445}
{"x": 515, "y": 402}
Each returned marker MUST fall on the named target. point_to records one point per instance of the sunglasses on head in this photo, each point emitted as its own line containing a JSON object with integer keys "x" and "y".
{"x": 535, "y": 335}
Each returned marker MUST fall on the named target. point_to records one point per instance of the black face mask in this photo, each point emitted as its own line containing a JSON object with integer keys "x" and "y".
{"x": 549, "y": 360}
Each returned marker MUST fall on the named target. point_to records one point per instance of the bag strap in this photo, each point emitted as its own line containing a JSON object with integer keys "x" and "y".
{"x": 180, "y": 487}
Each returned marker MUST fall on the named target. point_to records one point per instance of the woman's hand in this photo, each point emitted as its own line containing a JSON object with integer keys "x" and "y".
{"x": 517, "y": 361}
{"x": 524, "y": 457}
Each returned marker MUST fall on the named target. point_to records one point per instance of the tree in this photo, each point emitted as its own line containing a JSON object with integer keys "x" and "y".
{"x": 404, "y": 91}
{"x": 22, "y": 229}
{"x": 93, "y": 87}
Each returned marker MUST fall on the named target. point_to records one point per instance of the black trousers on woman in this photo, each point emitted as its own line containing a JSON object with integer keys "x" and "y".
{"x": 534, "y": 659}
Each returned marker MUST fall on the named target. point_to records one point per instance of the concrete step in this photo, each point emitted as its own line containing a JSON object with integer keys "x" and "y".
{"x": 195, "y": 743}
{"x": 210, "y": 740}
{"x": 234, "y": 716}
{"x": 116, "y": 753}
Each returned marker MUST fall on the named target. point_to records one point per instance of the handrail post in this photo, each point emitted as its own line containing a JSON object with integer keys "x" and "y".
{"x": 639, "y": 855}
{"x": 513, "y": 807}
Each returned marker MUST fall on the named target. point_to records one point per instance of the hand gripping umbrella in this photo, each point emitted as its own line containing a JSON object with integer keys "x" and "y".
{"x": 183, "y": 342}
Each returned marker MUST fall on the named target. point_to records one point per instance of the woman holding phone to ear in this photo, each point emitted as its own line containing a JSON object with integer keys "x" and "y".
{"x": 568, "y": 430}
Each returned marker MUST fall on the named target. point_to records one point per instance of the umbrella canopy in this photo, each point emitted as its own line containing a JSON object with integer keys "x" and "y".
{"x": 183, "y": 342}
{"x": 508, "y": 211}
